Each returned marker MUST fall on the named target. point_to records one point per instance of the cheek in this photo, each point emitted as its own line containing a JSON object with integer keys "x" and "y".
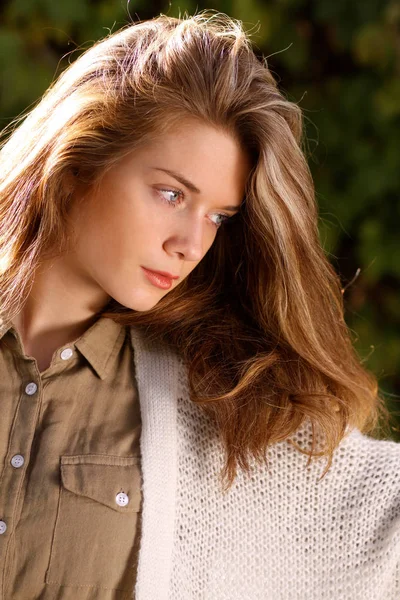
{"x": 118, "y": 218}
{"x": 121, "y": 229}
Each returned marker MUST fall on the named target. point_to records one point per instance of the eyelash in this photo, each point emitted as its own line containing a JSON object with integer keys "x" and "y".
{"x": 173, "y": 204}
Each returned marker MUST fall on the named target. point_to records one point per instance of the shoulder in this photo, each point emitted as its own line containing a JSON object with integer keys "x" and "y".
{"x": 369, "y": 456}
{"x": 371, "y": 465}
{"x": 359, "y": 457}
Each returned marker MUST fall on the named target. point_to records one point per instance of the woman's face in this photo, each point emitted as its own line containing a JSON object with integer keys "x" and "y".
{"x": 158, "y": 208}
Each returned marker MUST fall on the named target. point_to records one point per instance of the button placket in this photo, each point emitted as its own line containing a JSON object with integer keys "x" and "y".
{"x": 10, "y": 501}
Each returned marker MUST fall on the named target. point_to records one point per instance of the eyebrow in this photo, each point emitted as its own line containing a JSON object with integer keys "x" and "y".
{"x": 190, "y": 186}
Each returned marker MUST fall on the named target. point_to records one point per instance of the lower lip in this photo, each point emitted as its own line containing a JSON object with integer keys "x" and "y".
{"x": 158, "y": 280}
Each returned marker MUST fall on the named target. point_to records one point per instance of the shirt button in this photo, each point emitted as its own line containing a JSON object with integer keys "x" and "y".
{"x": 3, "y": 527}
{"x": 67, "y": 353}
{"x": 122, "y": 499}
{"x": 31, "y": 388}
{"x": 17, "y": 460}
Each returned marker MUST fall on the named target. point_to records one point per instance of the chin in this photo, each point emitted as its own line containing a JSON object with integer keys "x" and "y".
{"x": 140, "y": 301}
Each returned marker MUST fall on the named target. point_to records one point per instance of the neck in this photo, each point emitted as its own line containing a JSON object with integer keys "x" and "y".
{"x": 62, "y": 304}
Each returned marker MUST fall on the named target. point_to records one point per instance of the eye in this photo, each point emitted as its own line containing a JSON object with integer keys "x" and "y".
{"x": 172, "y": 202}
{"x": 179, "y": 199}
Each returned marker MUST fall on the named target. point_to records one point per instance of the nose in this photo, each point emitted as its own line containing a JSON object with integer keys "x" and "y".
{"x": 191, "y": 239}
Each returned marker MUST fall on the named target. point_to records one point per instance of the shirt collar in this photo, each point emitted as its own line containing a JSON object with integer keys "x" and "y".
{"x": 100, "y": 344}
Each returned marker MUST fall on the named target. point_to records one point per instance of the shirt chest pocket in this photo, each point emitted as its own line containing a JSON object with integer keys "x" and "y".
{"x": 96, "y": 534}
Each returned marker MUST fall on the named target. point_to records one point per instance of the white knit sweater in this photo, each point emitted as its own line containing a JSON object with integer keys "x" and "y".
{"x": 276, "y": 535}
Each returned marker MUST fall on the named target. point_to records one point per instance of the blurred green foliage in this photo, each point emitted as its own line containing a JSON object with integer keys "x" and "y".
{"x": 340, "y": 61}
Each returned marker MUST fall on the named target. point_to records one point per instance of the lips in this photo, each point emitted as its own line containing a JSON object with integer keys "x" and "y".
{"x": 163, "y": 273}
{"x": 160, "y": 281}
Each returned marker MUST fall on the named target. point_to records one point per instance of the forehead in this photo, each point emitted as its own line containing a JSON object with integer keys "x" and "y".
{"x": 212, "y": 159}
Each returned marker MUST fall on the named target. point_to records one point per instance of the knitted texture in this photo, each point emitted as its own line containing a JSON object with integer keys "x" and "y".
{"x": 279, "y": 533}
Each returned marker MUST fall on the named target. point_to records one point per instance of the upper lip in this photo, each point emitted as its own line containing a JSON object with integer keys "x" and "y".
{"x": 164, "y": 273}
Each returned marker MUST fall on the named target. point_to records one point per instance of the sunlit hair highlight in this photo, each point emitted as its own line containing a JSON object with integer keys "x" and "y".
{"x": 259, "y": 323}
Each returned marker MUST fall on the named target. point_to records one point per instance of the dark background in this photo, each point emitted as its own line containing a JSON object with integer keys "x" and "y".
{"x": 340, "y": 61}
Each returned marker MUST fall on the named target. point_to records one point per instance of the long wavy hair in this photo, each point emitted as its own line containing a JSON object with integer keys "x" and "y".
{"x": 259, "y": 322}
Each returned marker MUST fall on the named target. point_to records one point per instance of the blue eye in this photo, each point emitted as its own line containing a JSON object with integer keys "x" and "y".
{"x": 175, "y": 202}
{"x": 180, "y": 197}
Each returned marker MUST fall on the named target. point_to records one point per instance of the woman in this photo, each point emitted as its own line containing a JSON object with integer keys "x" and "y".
{"x": 169, "y": 317}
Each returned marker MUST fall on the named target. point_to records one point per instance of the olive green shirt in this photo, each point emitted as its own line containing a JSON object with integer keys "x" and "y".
{"x": 70, "y": 468}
